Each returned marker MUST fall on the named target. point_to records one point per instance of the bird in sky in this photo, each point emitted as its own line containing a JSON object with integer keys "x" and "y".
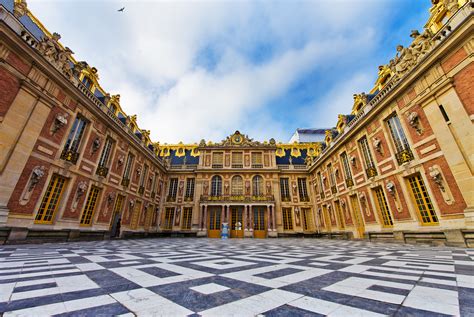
{"x": 121, "y": 9}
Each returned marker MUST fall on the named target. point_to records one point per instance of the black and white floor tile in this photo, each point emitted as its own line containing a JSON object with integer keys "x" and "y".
{"x": 211, "y": 277}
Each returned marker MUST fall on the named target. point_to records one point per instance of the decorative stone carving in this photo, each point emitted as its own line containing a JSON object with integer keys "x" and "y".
{"x": 95, "y": 145}
{"x": 36, "y": 175}
{"x": 205, "y": 187}
{"x": 295, "y": 188}
{"x": 390, "y": 186}
{"x": 377, "y": 145}
{"x": 308, "y": 160}
{"x": 19, "y": 8}
{"x": 269, "y": 188}
{"x": 60, "y": 120}
{"x": 131, "y": 203}
{"x": 139, "y": 171}
{"x": 414, "y": 122}
{"x": 120, "y": 160}
{"x": 437, "y": 177}
{"x": 50, "y": 48}
{"x": 110, "y": 198}
{"x": 352, "y": 159}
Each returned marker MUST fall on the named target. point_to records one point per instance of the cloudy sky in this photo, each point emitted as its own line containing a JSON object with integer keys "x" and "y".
{"x": 203, "y": 69}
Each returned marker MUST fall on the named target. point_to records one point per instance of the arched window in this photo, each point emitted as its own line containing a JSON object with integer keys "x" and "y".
{"x": 216, "y": 186}
{"x": 257, "y": 183}
{"x": 237, "y": 186}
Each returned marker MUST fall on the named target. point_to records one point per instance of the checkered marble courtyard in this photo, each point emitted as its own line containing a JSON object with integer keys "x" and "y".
{"x": 211, "y": 277}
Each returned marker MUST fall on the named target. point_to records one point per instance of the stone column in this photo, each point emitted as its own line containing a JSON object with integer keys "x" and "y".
{"x": 223, "y": 215}
{"x": 274, "y": 217}
{"x": 269, "y": 219}
{"x": 244, "y": 219}
{"x": 205, "y": 218}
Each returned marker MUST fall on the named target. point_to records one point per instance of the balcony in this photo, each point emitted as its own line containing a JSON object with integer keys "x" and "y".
{"x": 153, "y": 194}
{"x": 242, "y": 198}
{"x": 285, "y": 198}
{"x": 102, "y": 171}
{"x": 70, "y": 156}
{"x": 334, "y": 189}
{"x": 188, "y": 198}
{"x": 304, "y": 198}
{"x": 322, "y": 194}
{"x": 371, "y": 172}
{"x": 237, "y": 166}
{"x": 217, "y": 166}
{"x": 349, "y": 182}
{"x": 170, "y": 199}
{"x": 404, "y": 156}
{"x": 141, "y": 190}
{"x": 257, "y": 165}
{"x": 125, "y": 182}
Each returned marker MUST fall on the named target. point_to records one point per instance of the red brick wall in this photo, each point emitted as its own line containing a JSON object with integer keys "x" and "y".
{"x": 9, "y": 87}
{"x": 454, "y": 59}
{"x": 18, "y": 63}
{"x": 69, "y": 212}
{"x": 463, "y": 86}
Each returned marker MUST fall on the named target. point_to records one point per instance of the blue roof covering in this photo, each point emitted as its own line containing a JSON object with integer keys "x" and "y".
{"x": 8, "y": 4}
{"x": 349, "y": 117}
{"x": 32, "y": 27}
{"x": 285, "y": 160}
{"x": 190, "y": 160}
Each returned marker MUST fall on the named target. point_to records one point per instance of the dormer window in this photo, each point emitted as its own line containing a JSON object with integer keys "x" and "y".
{"x": 87, "y": 82}
{"x": 113, "y": 109}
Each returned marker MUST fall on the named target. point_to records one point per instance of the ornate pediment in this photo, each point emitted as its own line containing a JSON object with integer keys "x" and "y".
{"x": 239, "y": 139}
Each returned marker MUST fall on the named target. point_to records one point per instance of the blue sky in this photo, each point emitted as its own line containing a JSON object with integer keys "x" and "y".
{"x": 193, "y": 70}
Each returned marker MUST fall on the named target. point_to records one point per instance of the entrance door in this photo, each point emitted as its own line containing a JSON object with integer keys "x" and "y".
{"x": 236, "y": 218}
{"x": 116, "y": 218}
{"x": 358, "y": 217}
{"x": 259, "y": 223}
{"x": 214, "y": 222}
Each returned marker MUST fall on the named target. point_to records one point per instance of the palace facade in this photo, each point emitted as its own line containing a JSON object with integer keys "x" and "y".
{"x": 399, "y": 167}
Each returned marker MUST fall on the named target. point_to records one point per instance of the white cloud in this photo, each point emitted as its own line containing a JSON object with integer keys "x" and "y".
{"x": 148, "y": 54}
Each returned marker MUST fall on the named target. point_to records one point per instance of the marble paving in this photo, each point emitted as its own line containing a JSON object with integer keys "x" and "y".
{"x": 211, "y": 277}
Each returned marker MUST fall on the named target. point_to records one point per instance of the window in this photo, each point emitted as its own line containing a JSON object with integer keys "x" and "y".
{"x": 422, "y": 200}
{"x": 71, "y": 148}
{"x": 400, "y": 140}
{"x": 217, "y": 159}
{"x": 287, "y": 219}
{"x": 189, "y": 189}
{"x": 321, "y": 185}
{"x": 153, "y": 185}
{"x": 112, "y": 109}
{"x": 308, "y": 223}
{"x": 383, "y": 208}
{"x": 285, "y": 189}
{"x": 216, "y": 186}
{"x": 237, "y": 161}
{"x": 347, "y": 170}
{"x": 302, "y": 189}
{"x": 257, "y": 187}
{"x": 143, "y": 176}
{"x": 257, "y": 160}
{"x": 102, "y": 169}
{"x": 187, "y": 218}
{"x": 51, "y": 199}
{"x": 88, "y": 213}
{"x": 87, "y": 82}
{"x": 340, "y": 218}
{"x": 368, "y": 161}
{"x": 128, "y": 169}
{"x": 444, "y": 113}
{"x": 237, "y": 186}
{"x": 332, "y": 179}
{"x": 173, "y": 189}
{"x": 169, "y": 215}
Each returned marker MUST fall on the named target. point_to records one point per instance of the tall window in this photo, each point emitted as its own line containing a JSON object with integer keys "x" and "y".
{"x": 321, "y": 185}
{"x": 217, "y": 159}
{"x": 368, "y": 161}
{"x": 257, "y": 161}
{"x": 340, "y": 218}
{"x": 302, "y": 189}
{"x": 400, "y": 140}
{"x": 287, "y": 219}
{"x": 257, "y": 183}
{"x": 136, "y": 215}
{"x": 51, "y": 199}
{"x": 237, "y": 160}
{"x": 153, "y": 185}
{"x": 237, "y": 186}
{"x": 383, "y": 208}
{"x": 173, "y": 189}
{"x": 143, "y": 176}
{"x": 216, "y": 186}
{"x": 422, "y": 200}
{"x": 332, "y": 179}
{"x": 105, "y": 156}
{"x": 308, "y": 223}
{"x": 189, "y": 189}
{"x": 128, "y": 167}
{"x": 347, "y": 170}
{"x": 168, "y": 221}
{"x": 187, "y": 218}
{"x": 71, "y": 148}
{"x": 88, "y": 213}
{"x": 285, "y": 189}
